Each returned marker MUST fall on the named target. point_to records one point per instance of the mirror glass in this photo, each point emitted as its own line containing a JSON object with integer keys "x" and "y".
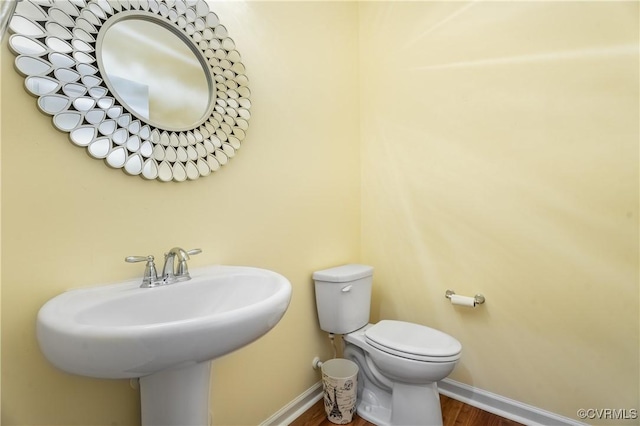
{"x": 155, "y": 73}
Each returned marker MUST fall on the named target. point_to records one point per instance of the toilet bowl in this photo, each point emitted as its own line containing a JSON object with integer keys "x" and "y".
{"x": 399, "y": 387}
{"x": 399, "y": 362}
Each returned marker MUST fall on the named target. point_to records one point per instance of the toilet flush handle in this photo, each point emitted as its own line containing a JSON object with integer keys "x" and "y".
{"x": 347, "y": 289}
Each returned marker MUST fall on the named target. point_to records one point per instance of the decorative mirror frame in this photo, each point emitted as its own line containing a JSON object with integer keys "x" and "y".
{"x": 55, "y": 46}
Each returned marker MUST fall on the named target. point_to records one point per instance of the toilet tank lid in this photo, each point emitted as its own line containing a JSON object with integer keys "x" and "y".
{"x": 344, "y": 273}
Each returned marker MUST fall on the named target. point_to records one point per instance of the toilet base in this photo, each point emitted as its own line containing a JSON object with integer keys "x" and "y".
{"x": 416, "y": 405}
{"x": 412, "y": 406}
{"x": 372, "y": 409}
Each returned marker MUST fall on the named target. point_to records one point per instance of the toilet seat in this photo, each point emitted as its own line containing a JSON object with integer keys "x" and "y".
{"x": 413, "y": 341}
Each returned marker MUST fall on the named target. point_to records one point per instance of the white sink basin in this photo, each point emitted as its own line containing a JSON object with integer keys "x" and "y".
{"x": 124, "y": 331}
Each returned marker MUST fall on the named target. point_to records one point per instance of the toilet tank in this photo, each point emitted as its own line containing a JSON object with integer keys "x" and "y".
{"x": 343, "y": 297}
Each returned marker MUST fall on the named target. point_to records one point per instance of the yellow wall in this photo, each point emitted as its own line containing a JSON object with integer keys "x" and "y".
{"x": 500, "y": 155}
{"x": 289, "y": 201}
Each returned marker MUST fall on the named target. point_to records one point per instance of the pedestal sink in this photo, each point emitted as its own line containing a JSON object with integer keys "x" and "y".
{"x": 166, "y": 336}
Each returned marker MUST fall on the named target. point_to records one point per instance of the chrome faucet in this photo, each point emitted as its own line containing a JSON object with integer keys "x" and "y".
{"x": 150, "y": 278}
{"x": 170, "y": 274}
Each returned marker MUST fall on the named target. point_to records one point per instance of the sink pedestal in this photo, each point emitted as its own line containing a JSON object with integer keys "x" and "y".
{"x": 176, "y": 397}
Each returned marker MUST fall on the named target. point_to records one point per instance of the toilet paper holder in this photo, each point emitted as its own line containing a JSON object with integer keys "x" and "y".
{"x": 479, "y": 299}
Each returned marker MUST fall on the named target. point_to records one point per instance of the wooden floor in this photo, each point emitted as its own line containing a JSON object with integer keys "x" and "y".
{"x": 454, "y": 413}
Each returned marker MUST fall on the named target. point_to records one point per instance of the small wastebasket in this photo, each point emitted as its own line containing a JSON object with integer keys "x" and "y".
{"x": 340, "y": 384}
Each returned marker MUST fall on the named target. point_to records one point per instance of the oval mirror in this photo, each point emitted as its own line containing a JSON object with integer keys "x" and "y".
{"x": 154, "y": 87}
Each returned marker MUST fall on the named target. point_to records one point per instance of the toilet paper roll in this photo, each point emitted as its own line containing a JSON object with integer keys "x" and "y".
{"x": 463, "y": 301}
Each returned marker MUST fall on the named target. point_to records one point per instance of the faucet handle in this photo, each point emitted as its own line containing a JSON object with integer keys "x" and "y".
{"x": 134, "y": 259}
{"x": 183, "y": 270}
{"x": 150, "y": 274}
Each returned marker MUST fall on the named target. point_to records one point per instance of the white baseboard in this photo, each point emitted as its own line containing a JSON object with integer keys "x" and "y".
{"x": 487, "y": 401}
{"x": 503, "y": 407}
{"x": 295, "y": 408}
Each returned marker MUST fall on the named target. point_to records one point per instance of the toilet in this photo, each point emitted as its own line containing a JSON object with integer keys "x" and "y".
{"x": 399, "y": 362}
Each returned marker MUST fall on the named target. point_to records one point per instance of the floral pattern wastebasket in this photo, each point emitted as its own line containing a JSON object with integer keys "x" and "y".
{"x": 340, "y": 384}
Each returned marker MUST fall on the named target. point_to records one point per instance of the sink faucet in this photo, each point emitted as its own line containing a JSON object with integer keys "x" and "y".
{"x": 150, "y": 278}
{"x": 170, "y": 274}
